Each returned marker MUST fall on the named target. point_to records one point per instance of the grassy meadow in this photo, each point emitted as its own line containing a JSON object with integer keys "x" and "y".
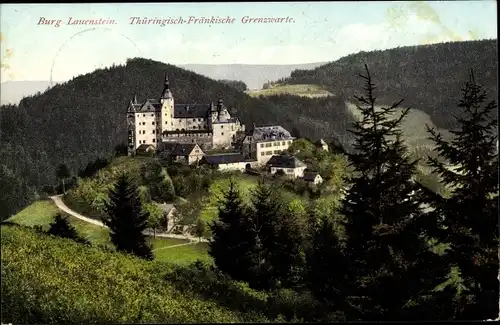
{"x": 41, "y": 213}
{"x": 297, "y": 90}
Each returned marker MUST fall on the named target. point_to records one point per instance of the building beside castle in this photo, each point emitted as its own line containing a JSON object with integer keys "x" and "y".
{"x": 160, "y": 121}
{"x": 263, "y": 142}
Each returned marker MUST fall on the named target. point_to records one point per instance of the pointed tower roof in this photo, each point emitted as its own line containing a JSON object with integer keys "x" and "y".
{"x": 166, "y": 94}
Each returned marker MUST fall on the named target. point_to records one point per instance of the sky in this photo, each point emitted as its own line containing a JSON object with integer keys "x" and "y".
{"x": 315, "y": 32}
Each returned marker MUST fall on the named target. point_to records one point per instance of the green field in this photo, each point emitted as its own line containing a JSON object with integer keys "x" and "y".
{"x": 41, "y": 213}
{"x": 183, "y": 255}
{"x": 297, "y": 90}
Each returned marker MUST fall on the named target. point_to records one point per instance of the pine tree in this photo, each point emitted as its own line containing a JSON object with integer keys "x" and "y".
{"x": 391, "y": 267}
{"x": 234, "y": 244}
{"x": 126, "y": 219}
{"x": 266, "y": 210}
{"x": 287, "y": 255}
{"x": 61, "y": 227}
{"x": 471, "y": 213}
{"x": 281, "y": 239}
{"x": 326, "y": 265}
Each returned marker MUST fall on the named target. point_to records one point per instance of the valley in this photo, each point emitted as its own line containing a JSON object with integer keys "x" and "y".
{"x": 240, "y": 204}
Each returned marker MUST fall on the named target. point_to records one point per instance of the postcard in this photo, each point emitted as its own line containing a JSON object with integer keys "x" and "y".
{"x": 249, "y": 162}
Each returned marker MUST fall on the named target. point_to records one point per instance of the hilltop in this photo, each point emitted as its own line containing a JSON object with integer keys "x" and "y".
{"x": 83, "y": 119}
{"x": 427, "y": 77}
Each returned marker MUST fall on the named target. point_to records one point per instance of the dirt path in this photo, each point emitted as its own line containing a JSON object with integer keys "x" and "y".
{"x": 165, "y": 247}
{"x": 63, "y": 207}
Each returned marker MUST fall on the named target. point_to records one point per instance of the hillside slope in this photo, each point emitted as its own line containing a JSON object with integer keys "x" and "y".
{"x": 83, "y": 119}
{"x": 427, "y": 77}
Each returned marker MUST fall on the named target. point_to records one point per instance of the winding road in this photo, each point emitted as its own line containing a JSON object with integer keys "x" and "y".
{"x": 63, "y": 207}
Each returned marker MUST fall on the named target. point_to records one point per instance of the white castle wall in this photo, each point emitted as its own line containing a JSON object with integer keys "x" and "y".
{"x": 146, "y": 129}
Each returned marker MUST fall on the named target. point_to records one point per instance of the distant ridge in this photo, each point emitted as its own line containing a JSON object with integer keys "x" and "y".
{"x": 254, "y": 75}
{"x": 13, "y": 91}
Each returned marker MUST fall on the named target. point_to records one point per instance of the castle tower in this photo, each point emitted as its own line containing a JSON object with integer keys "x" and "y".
{"x": 131, "y": 130}
{"x": 167, "y": 107}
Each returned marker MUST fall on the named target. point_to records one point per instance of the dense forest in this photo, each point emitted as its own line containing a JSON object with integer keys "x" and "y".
{"x": 83, "y": 119}
{"x": 428, "y": 77}
{"x": 236, "y": 84}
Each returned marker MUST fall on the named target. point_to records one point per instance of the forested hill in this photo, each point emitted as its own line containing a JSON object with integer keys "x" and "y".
{"x": 83, "y": 119}
{"x": 427, "y": 77}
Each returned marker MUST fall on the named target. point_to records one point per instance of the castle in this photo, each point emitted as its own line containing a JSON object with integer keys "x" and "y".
{"x": 159, "y": 121}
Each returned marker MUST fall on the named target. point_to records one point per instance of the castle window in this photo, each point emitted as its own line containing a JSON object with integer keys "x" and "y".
{"x": 289, "y": 142}
{"x": 222, "y": 126}
{"x": 200, "y": 119}
{"x": 167, "y": 122}
{"x": 153, "y": 131}
{"x": 194, "y": 120}
{"x": 282, "y": 143}
{"x": 262, "y": 145}
{"x": 152, "y": 115}
{"x": 222, "y": 133}
{"x": 276, "y": 152}
{"x": 154, "y": 140}
{"x": 177, "y": 130}
{"x": 182, "y": 130}
{"x": 153, "y": 122}
{"x": 143, "y": 115}
{"x": 262, "y": 153}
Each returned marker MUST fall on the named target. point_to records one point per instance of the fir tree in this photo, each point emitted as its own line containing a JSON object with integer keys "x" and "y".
{"x": 391, "y": 267}
{"x": 287, "y": 255}
{"x": 470, "y": 214}
{"x": 126, "y": 219}
{"x": 234, "y": 244}
{"x": 266, "y": 211}
{"x": 326, "y": 265}
{"x": 61, "y": 227}
{"x": 281, "y": 238}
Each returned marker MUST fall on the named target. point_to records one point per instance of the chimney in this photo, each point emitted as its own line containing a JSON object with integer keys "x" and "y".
{"x": 135, "y": 99}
